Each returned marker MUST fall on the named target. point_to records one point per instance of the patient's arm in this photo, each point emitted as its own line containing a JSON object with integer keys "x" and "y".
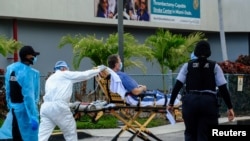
{"x": 139, "y": 90}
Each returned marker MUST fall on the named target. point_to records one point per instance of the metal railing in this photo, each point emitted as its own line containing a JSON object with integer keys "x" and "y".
{"x": 238, "y": 84}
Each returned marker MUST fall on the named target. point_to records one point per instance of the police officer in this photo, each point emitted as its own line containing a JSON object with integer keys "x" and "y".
{"x": 200, "y": 108}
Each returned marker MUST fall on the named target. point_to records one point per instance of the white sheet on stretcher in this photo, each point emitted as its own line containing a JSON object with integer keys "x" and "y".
{"x": 116, "y": 84}
{"x": 159, "y": 101}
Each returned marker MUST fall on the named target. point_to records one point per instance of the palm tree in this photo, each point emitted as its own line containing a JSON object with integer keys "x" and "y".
{"x": 171, "y": 50}
{"x": 133, "y": 51}
{"x": 8, "y": 46}
{"x": 98, "y": 50}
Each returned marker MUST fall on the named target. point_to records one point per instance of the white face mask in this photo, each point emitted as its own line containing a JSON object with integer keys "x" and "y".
{"x": 120, "y": 66}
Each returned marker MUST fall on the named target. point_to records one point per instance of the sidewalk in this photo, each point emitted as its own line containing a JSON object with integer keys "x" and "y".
{"x": 165, "y": 129}
{"x": 166, "y": 132}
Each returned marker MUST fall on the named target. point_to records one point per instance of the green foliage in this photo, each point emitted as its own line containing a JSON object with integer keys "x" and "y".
{"x": 169, "y": 50}
{"x": 132, "y": 51}
{"x": 98, "y": 50}
{"x": 157, "y": 121}
{"x": 8, "y": 46}
{"x": 88, "y": 47}
{"x": 1, "y": 121}
{"x": 240, "y": 99}
{"x": 172, "y": 50}
{"x": 108, "y": 121}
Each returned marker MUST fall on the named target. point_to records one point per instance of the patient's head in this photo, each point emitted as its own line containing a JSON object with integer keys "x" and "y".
{"x": 114, "y": 62}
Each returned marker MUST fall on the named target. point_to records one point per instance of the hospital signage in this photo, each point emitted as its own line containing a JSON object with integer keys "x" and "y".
{"x": 165, "y": 11}
{"x": 175, "y": 11}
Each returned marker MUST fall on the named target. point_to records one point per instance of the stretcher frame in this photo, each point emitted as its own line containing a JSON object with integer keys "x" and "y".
{"x": 95, "y": 114}
{"x": 131, "y": 124}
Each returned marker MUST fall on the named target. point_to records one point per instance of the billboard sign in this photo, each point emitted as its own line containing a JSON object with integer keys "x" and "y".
{"x": 166, "y": 11}
{"x": 175, "y": 11}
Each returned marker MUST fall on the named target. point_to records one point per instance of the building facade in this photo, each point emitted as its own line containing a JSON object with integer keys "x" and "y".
{"x": 42, "y": 24}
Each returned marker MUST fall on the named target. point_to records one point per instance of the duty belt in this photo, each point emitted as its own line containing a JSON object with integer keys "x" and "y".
{"x": 200, "y": 93}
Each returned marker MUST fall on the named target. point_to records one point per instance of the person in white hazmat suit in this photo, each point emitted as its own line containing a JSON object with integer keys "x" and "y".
{"x": 22, "y": 95}
{"x": 55, "y": 110}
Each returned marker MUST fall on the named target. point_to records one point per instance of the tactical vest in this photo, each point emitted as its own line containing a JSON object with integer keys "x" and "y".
{"x": 15, "y": 89}
{"x": 200, "y": 78}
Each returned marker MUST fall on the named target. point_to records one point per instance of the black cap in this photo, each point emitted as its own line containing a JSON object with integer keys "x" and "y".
{"x": 27, "y": 50}
{"x": 202, "y": 49}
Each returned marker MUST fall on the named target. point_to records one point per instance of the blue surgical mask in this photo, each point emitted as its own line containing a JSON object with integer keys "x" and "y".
{"x": 34, "y": 60}
{"x": 120, "y": 66}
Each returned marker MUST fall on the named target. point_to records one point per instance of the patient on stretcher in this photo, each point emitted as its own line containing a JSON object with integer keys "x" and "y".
{"x": 149, "y": 98}
{"x": 122, "y": 83}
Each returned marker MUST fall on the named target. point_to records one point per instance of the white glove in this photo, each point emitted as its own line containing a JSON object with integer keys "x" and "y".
{"x": 101, "y": 67}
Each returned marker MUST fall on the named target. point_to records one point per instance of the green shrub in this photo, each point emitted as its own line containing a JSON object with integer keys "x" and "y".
{"x": 108, "y": 121}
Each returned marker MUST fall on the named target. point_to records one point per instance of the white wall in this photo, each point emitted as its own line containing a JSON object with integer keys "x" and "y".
{"x": 235, "y": 13}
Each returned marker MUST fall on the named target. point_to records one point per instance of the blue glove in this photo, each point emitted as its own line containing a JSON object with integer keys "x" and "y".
{"x": 34, "y": 124}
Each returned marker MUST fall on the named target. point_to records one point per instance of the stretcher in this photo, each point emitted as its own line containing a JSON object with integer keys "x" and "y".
{"x": 94, "y": 109}
{"x": 121, "y": 109}
{"x": 126, "y": 112}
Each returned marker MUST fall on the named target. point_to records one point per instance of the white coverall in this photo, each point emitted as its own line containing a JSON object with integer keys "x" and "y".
{"x": 55, "y": 109}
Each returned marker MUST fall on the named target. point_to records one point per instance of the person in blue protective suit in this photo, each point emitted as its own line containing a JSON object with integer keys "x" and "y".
{"x": 22, "y": 95}
{"x": 200, "y": 108}
{"x": 6, "y": 129}
{"x": 55, "y": 109}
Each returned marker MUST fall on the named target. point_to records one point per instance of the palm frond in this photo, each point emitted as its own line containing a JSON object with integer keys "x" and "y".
{"x": 98, "y": 50}
{"x": 8, "y": 46}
